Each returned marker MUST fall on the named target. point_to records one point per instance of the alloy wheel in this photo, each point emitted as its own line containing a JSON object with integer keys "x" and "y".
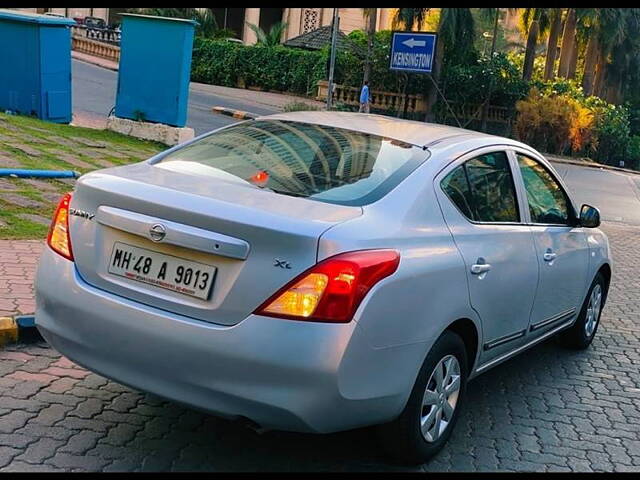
{"x": 440, "y": 398}
{"x": 593, "y": 310}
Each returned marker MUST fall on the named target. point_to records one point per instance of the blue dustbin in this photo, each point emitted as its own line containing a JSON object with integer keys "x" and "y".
{"x": 155, "y": 68}
{"x": 35, "y": 65}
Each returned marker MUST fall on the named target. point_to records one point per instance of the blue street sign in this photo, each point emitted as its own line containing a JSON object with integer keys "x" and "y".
{"x": 413, "y": 51}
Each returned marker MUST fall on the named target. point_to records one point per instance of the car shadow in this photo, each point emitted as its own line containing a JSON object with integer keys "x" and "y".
{"x": 497, "y": 403}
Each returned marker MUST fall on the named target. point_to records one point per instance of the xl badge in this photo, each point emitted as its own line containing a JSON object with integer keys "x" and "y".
{"x": 282, "y": 264}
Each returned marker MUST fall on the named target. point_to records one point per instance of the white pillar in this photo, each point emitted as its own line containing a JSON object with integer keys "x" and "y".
{"x": 326, "y": 17}
{"x": 293, "y": 29}
{"x": 251, "y": 15}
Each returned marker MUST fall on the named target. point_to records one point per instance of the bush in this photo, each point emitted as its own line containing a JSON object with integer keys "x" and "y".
{"x": 612, "y": 131}
{"x": 555, "y": 123}
{"x": 299, "y": 107}
{"x": 471, "y": 83}
{"x": 633, "y": 153}
{"x": 269, "y": 68}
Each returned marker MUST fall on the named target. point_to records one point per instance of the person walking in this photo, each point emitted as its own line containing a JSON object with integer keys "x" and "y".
{"x": 364, "y": 98}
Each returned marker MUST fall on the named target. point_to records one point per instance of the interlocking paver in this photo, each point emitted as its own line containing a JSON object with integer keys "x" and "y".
{"x": 81, "y": 442}
{"x": 10, "y": 422}
{"x": 81, "y": 462}
{"x": 7, "y": 454}
{"x": 548, "y": 410}
{"x": 51, "y": 414}
{"x": 39, "y": 451}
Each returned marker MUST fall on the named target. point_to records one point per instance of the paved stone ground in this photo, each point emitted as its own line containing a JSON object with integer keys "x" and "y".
{"x": 548, "y": 410}
{"x": 18, "y": 260}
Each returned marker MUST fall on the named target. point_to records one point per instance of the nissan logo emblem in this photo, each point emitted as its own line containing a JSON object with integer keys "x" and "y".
{"x": 157, "y": 232}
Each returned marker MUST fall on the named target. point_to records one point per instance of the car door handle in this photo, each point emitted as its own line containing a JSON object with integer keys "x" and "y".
{"x": 549, "y": 256}
{"x": 480, "y": 268}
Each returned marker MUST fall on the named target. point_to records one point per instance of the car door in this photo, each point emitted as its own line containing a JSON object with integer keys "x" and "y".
{"x": 561, "y": 247}
{"x": 480, "y": 205}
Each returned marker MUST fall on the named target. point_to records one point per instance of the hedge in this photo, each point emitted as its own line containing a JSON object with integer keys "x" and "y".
{"x": 269, "y": 68}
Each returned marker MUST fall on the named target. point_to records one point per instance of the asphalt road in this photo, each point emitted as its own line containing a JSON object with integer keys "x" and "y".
{"x": 615, "y": 194}
{"x": 94, "y": 94}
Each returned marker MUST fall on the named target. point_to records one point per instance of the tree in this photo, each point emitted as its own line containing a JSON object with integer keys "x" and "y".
{"x": 371, "y": 17}
{"x": 569, "y": 43}
{"x": 623, "y": 73}
{"x": 534, "y": 21}
{"x": 206, "y": 27}
{"x": 495, "y": 14}
{"x": 605, "y": 29}
{"x": 409, "y": 18}
{"x": 271, "y": 38}
{"x": 552, "y": 44}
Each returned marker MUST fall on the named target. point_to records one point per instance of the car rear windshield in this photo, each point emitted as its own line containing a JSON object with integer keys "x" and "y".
{"x": 319, "y": 162}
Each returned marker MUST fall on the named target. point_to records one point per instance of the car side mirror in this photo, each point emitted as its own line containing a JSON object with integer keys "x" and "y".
{"x": 589, "y": 216}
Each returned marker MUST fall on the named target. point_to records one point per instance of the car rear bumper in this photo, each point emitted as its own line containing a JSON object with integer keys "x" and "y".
{"x": 281, "y": 374}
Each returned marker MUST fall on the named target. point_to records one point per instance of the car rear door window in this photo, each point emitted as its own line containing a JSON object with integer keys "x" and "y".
{"x": 546, "y": 199}
{"x": 483, "y": 189}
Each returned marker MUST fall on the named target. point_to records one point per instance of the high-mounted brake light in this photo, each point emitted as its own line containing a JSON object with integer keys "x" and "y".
{"x": 58, "y": 238}
{"x": 332, "y": 290}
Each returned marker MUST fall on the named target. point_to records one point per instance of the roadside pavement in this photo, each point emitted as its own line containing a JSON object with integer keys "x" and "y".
{"x": 18, "y": 259}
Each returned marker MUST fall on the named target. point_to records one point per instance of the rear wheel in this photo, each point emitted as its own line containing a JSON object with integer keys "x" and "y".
{"x": 432, "y": 410}
{"x": 581, "y": 334}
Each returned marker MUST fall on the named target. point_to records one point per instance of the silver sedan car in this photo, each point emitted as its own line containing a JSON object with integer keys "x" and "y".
{"x": 320, "y": 271}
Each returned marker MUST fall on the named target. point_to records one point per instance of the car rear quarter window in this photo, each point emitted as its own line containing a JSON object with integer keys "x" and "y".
{"x": 483, "y": 189}
{"x": 456, "y": 187}
{"x": 307, "y": 160}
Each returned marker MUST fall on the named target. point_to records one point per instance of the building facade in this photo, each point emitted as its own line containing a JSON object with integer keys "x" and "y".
{"x": 298, "y": 20}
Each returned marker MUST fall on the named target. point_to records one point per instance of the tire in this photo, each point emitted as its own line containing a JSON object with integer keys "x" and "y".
{"x": 580, "y": 335}
{"x": 402, "y": 438}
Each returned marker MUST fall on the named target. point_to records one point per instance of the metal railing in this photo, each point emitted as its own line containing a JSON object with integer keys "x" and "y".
{"x": 106, "y": 35}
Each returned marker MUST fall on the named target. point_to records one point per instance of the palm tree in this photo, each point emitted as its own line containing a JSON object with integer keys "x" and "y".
{"x": 613, "y": 32}
{"x": 552, "y": 44}
{"x": 371, "y": 16}
{"x": 605, "y": 29}
{"x": 569, "y": 44}
{"x": 623, "y": 71}
{"x": 410, "y": 17}
{"x": 495, "y": 14}
{"x": 535, "y": 21}
{"x": 271, "y": 38}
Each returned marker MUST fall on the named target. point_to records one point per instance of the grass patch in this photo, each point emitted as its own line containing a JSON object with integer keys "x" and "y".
{"x": 44, "y": 130}
{"x": 53, "y": 142}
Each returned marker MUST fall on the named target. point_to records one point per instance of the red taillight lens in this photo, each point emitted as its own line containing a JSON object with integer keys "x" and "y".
{"x": 58, "y": 238}
{"x": 332, "y": 290}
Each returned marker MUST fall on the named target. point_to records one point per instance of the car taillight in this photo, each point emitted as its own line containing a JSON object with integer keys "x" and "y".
{"x": 332, "y": 290}
{"x": 58, "y": 238}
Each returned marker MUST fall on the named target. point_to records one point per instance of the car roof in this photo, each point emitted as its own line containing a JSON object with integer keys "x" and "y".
{"x": 420, "y": 134}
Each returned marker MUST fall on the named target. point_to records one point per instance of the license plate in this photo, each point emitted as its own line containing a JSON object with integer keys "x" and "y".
{"x": 165, "y": 271}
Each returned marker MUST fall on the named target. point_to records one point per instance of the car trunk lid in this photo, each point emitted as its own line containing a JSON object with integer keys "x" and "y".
{"x": 256, "y": 240}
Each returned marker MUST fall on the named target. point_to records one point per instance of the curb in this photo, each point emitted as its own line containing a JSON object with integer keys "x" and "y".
{"x": 91, "y": 60}
{"x": 590, "y": 164}
{"x": 230, "y": 112}
{"x": 19, "y": 328}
